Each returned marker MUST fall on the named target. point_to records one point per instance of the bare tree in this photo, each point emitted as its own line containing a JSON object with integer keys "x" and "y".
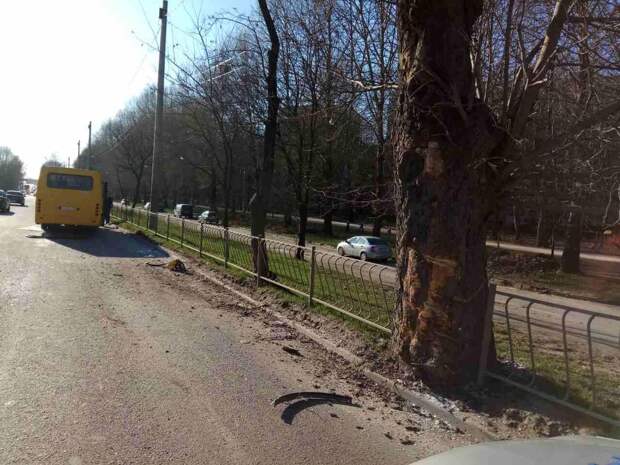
{"x": 264, "y": 169}
{"x": 453, "y": 156}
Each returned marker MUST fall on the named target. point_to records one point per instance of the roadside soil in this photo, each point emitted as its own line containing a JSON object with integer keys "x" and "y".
{"x": 498, "y": 409}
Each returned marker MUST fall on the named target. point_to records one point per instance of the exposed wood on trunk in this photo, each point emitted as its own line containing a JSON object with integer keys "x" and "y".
{"x": 443, "y": 137}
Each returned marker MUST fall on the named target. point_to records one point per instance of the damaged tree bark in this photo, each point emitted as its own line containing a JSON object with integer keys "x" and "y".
{"x": 443, "y": 139}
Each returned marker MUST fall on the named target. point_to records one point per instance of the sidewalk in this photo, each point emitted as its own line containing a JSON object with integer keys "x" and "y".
{"x": 557, "y": 252}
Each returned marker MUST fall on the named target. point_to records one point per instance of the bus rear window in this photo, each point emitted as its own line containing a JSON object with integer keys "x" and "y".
{"x": 69, "y": 181}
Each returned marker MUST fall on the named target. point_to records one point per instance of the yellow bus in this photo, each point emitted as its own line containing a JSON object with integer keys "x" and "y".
{"x": 70, "y": 197}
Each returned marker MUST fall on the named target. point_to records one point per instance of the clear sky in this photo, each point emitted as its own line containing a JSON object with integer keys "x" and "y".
{"x": 67, "y": 62}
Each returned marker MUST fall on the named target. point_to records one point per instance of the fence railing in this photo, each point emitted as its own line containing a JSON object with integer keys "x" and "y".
{"x": 363, "y": 291}
{"x": 563, "y": 354}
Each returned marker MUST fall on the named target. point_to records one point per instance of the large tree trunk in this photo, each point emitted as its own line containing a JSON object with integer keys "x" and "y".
{"x": 515, "y": 222}
{"x": 328, "y": 228}
{"x": 136, "y": 191}
{"x": 572, "y": 244}
{"x": 379, "y": 180}
{"x": 301, "y": 229}
{"x": 443, "y": 137}
{"x": 258, "y": 207}
{"x": 544, "y": 228}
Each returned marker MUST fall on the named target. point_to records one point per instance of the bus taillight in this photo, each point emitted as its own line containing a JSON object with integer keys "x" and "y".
{"x": 38, "y": 205}
{"x": 96, "y": 209}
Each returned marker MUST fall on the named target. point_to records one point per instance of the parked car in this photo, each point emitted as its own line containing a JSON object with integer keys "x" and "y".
{"x": 16, "y": 197}
{"x": 124, "y": 202}
{"x": 209, "y": 216}
{"x": 147, "y": 206}
{"x": 184, "y": 210}
{"x": 365, "y": 247}
{"x": 5, "y": 203}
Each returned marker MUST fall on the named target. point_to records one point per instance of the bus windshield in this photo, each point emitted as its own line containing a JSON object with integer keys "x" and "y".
{"x": 69, "y": 181}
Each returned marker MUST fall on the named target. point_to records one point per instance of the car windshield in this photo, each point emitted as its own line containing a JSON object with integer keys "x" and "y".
{"x": 376, "y": 241}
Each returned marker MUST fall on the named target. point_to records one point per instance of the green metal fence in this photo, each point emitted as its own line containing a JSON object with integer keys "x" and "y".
{"x": 361, "y": 290}
{"x": 540, "y": 364}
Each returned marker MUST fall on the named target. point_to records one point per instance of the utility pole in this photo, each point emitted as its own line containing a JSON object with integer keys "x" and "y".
{"x": 90, "y": 125}
{"x": 159, "y": 112}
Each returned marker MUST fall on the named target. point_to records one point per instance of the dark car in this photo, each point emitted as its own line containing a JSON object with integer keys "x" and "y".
{"x": 184, "y": 210}
{"x": 16, "y": 197}
{"x": 5, "y": 203}
{"x": 209, "y": 216}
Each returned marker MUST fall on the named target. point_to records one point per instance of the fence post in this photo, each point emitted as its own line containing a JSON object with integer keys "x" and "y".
{"x": 226, "y": 245}
{"x": 202, "y": 228}
{"x": 311, "y": 280}
{"x": 486, "y": 335}
{"x": 168, "y": 228}
{"x": 258, "y": 261}
{"x": 182, "y": 230}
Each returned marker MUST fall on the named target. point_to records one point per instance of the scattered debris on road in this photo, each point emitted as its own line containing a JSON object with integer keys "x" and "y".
{"x": 304, "y": 400}
{"x": 177, "y": 266}
{"x": 328, "y": 396}
{"x": 292, "y": 351}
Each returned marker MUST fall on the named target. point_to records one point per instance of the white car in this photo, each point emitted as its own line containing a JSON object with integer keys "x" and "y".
{"x": 365, "y": 248}
{"x": 566, "y": 450}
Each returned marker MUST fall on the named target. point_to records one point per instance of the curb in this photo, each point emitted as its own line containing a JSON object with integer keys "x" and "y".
{"x": 398, "y": 389}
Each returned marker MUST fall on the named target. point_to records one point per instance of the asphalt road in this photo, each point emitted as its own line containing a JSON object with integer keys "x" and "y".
{"x": 356, "y": 228}
{"x": 104, "y": 359}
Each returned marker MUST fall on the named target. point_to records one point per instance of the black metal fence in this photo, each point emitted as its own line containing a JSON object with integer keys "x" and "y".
{"x": 364, "y": 291}
{"x": 564, "y": 354}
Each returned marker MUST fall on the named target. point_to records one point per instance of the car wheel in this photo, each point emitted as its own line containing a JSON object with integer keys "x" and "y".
{"x": 341, "y": 251}
{"x": 45, "y": 227}
{"x": 363, "y": 256}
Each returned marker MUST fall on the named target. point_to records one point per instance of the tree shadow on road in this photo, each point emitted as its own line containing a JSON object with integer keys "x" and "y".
{"x": 104, "y": 242}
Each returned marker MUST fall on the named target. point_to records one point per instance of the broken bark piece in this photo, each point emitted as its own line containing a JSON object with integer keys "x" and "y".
{"x": 292, "y": 351}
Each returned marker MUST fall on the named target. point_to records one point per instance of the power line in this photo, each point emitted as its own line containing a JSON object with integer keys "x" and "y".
{"x": 118, "y": 142}
{"x": 138, "y": 69}
{"x": 148, "y": 22}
